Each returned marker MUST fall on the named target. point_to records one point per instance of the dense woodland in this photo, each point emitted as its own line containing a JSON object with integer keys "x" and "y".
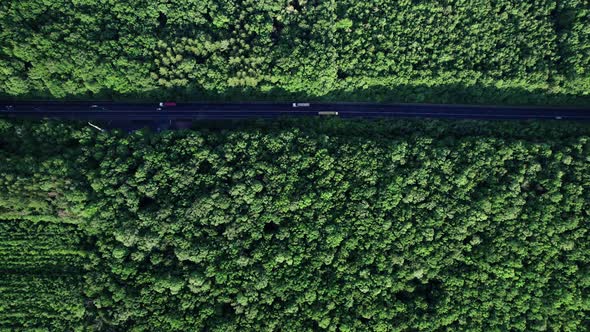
{"x": 326, "y": 225}
{"x": 486, "y": 51}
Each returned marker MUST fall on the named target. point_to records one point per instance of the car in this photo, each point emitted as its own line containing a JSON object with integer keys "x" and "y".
{"x": 300, "y": 104}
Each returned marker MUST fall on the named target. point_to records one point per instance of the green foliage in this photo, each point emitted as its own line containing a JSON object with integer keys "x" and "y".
{"x": 41, "y": 303}
{"x": 573, "y": 26}
{"x": 37, "y": 175}
{"x": 504, "y": 51}
{"x": 37, "y": 246}
{"x": 324, "y": 225}
{"x": 42, "y": 258}
{"x": 41, "y": 280}
{"x": 256, "y": 230}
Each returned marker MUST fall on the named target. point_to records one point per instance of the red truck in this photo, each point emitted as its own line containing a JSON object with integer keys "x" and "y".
{"x": 163, "y": 104}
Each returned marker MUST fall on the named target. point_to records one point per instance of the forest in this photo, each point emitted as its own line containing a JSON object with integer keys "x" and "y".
{"x": 444, "y": 51}
{"x": 296, "y": 226}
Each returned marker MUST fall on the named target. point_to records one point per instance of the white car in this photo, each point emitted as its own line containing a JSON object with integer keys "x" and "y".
{"x": 300, "y": 104}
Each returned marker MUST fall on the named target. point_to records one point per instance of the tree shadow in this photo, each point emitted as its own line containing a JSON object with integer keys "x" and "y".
{"x": 452, "y": 93}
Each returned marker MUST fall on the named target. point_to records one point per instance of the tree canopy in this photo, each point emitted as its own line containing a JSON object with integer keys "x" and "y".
{"x": 327, "y": 225}
{"x": 503, "y": 51}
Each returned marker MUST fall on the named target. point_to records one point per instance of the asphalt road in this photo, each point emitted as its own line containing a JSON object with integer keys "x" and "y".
{"x": 110, "y": 111}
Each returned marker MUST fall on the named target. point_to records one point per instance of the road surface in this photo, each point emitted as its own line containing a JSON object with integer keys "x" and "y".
{"x": 153, "y": 113}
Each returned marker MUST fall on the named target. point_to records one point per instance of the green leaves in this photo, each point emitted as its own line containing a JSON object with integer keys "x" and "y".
{"x": 299, "y": 229}
{"x": 323, "y": 225}
{"x": 494, "y": 52}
